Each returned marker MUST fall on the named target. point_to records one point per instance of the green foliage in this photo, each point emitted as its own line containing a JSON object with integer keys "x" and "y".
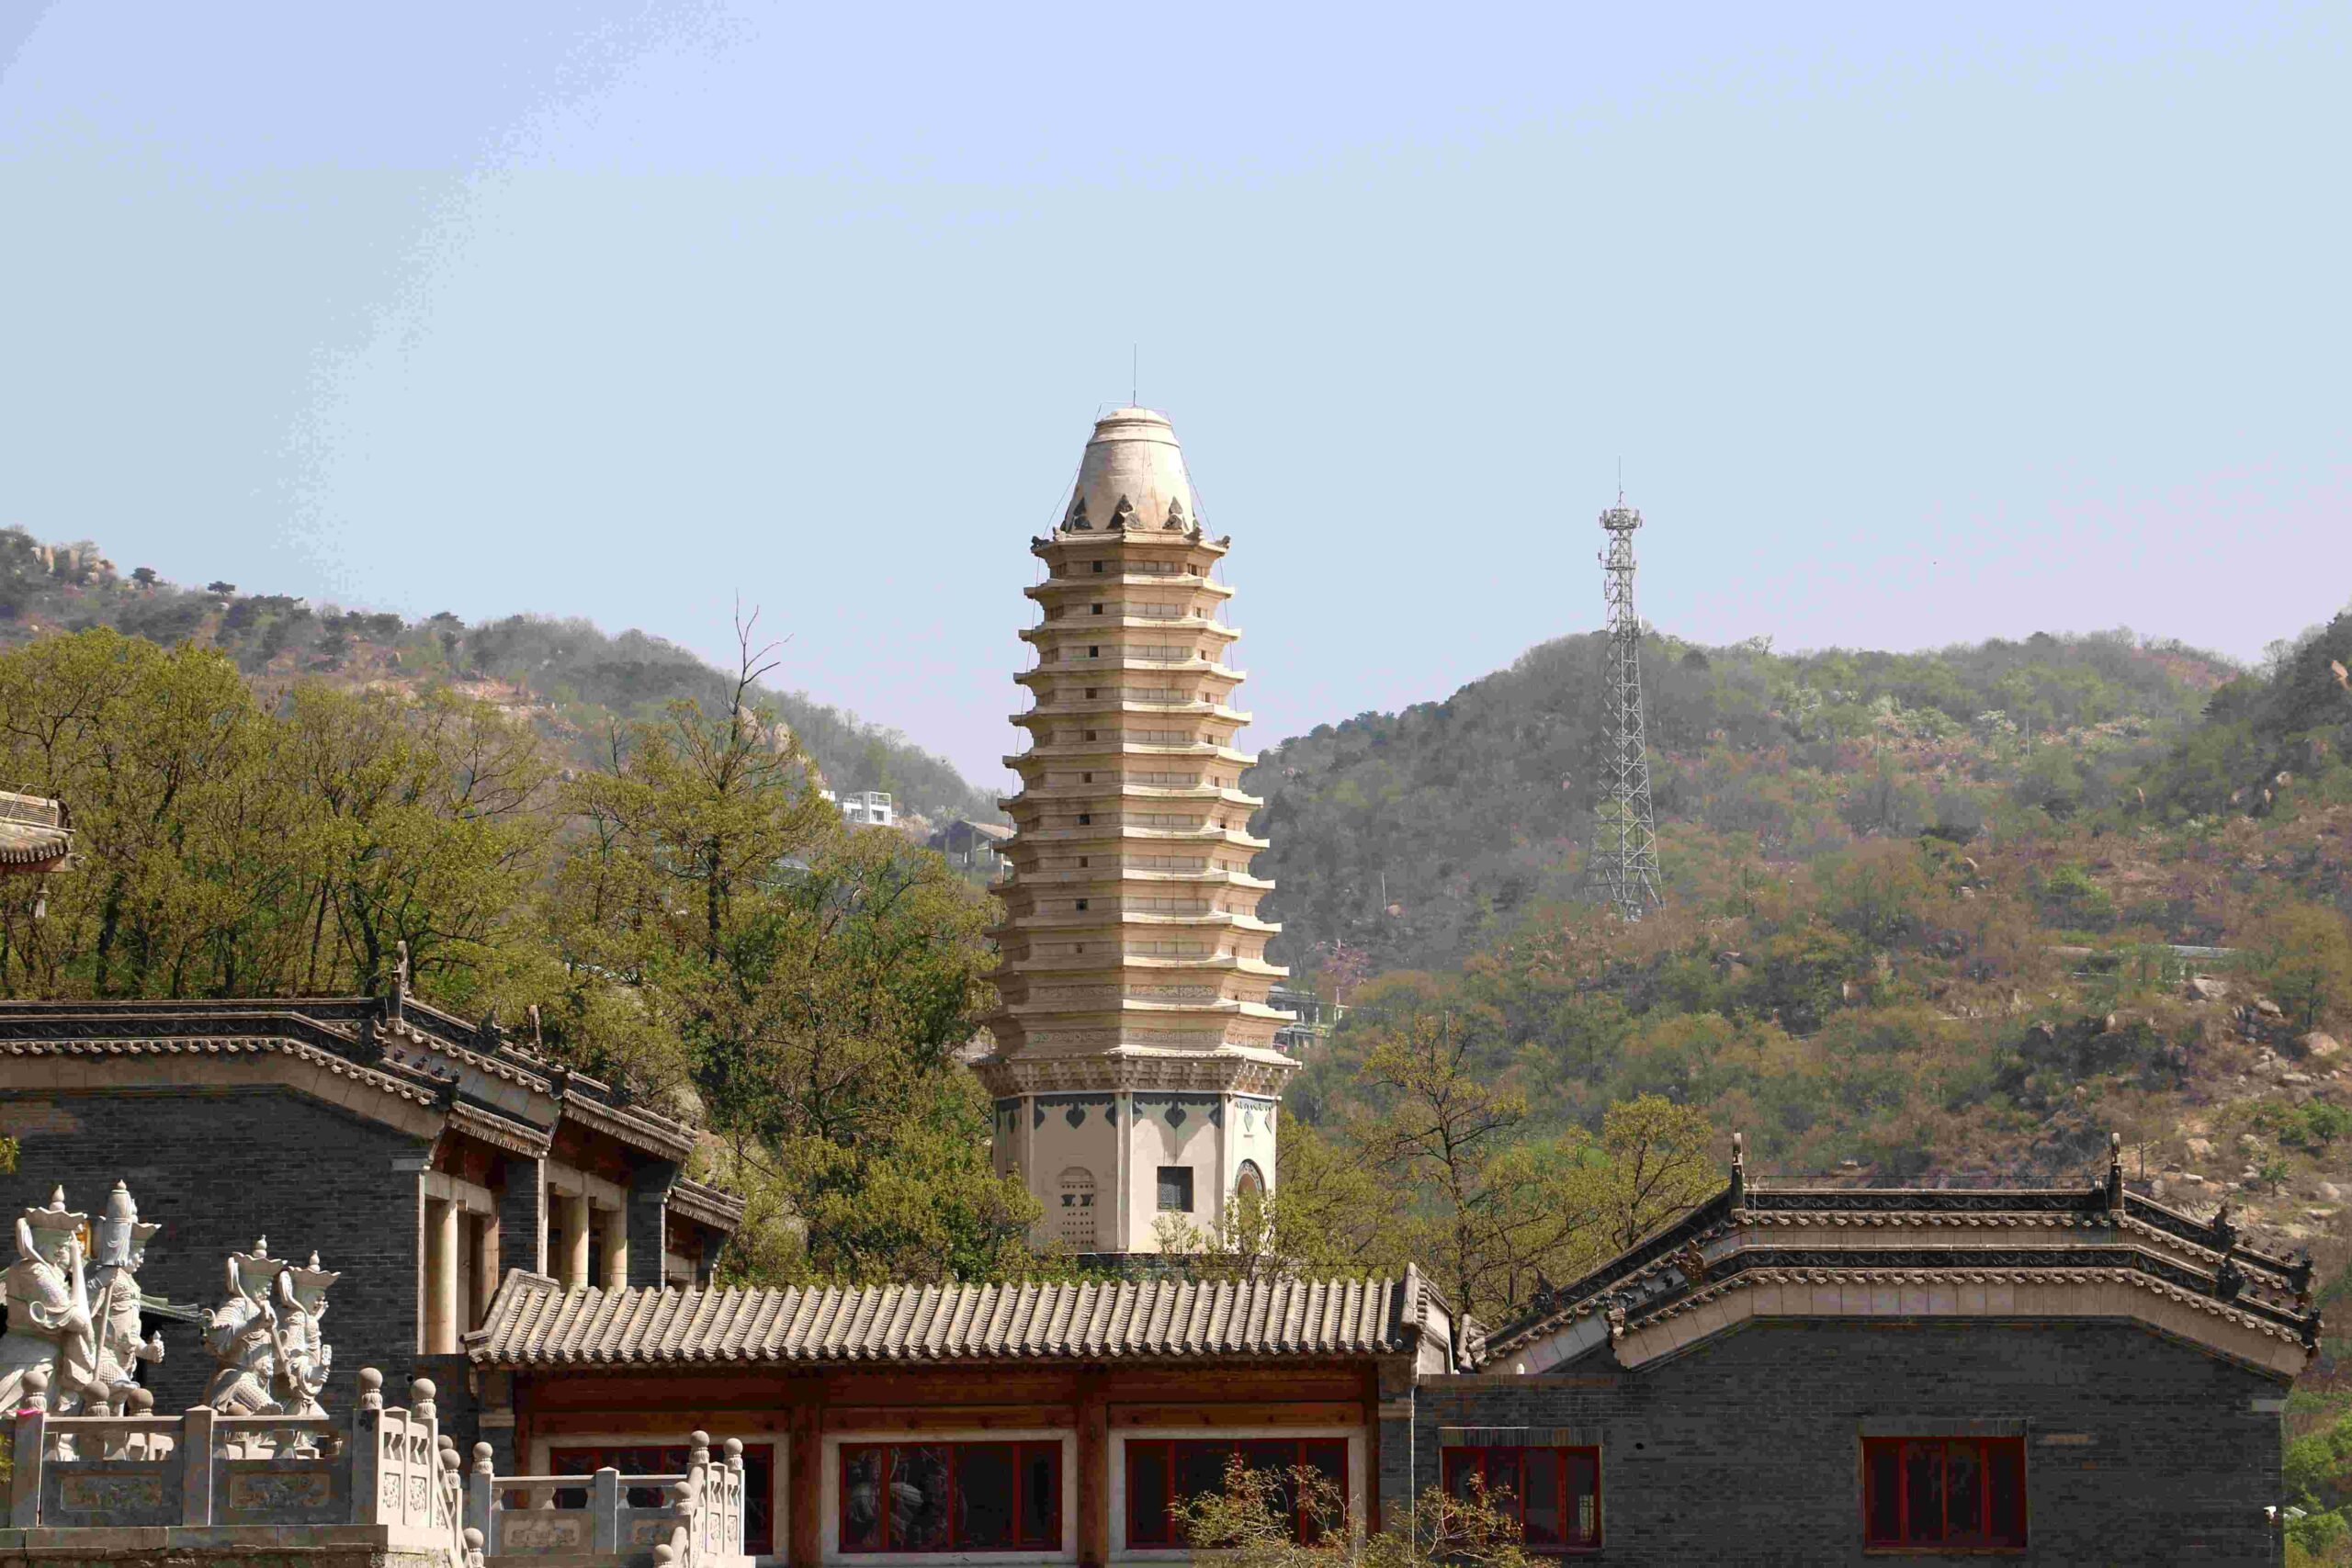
{"x": 690, "y": 918}
{"x": 1250, "y": 1523}
{"x": 572, "y": 681}
{"x": 2303, "y": 954}
{"x": 1423, "y": 836}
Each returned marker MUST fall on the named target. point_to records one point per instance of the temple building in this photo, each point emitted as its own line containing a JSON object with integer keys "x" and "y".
{"x": 1134, "y": 1072}
{"x": 421, "y": 1156}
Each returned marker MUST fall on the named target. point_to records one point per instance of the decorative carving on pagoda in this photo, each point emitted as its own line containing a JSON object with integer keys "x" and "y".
{"x": 51, "y": 1327}
{"x": 269, "y": 1353}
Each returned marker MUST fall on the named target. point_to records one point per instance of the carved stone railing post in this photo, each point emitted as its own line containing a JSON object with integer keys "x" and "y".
{"x": 731, "y": 1533}
{"x": 477, "y": 1490}
{"x": 28, "y": 1455}
{"x": 196, "y": 1449}
{"x": 366, "y": 1449}
{"x": 604, "y": 1511}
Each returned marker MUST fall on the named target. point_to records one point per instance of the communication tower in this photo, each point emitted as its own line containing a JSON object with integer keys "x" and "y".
{"x": 1624, "y": 853}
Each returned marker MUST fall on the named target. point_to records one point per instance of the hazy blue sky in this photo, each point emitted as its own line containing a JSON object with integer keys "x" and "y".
{"x": 1911, "y": 325}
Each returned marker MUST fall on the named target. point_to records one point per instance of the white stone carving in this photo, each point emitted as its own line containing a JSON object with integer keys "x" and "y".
{"x": 51, "y": 1326}
{"x": 122, "y": 1250}
{"x": 271, "y": 1358}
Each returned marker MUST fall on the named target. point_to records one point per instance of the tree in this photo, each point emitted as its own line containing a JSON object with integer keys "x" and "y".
{"x": 144, "y": 576}
{"x": 817, "y": 985}
{"x": 2303, "y": 956}
{"x": 222, "y": 589}
{"x": 1658, "y": 1165}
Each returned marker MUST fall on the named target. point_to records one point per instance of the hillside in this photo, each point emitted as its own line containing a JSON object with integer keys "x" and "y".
{"x": 1949, "y": 918}
{"x": 572, "y": 679}
{"x": 1412, "y": 836}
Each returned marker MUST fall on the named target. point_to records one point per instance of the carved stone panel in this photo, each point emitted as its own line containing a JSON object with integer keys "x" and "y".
{"x": 109, "y": 1494}
{"x": 285, "y": 1493}
{"x": 543, "y": 1533}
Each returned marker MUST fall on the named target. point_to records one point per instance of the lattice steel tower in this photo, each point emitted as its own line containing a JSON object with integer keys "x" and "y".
{"x": 1624, "y": 852}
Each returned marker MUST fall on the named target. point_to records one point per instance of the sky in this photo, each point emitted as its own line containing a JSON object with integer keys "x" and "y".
{"x": 1909, "y": 325}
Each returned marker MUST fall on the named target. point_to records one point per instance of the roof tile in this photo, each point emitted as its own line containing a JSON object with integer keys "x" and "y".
{"x": 535, "y": 1322}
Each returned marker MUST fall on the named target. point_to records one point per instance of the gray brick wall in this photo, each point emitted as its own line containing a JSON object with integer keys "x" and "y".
{"x": 218, "y": 1169}
{"x": 649, "y": 1196}
{"x": 523, "y": 1215}
{"x": 1747, "y": 1450}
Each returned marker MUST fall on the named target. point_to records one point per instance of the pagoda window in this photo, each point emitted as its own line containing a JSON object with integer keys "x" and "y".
{"x": 1074, "y": 1221}
{"x": 1944, "y": 1494}
{"x": 909, "y": 1497}
{"x": 1163, "y": 1476}
{"x": 1175, "y": 1188}
{"x": 1551, "y": 1494}
{"x": 1098, "y": 609}
{"x": 1096, "y": 565}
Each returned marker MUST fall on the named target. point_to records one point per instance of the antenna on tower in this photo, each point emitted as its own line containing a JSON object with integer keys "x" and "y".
{"x": 1623, "y": 870}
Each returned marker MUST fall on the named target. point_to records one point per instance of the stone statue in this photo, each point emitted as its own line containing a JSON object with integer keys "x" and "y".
{"x": 122, "y": 1248}
{"x": 270, "y": 1356}
{"x": 304, "y": 1290}
{"x": 49, "y": 1319}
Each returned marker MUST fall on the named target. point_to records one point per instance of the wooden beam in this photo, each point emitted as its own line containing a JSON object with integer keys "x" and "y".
{"x": 1289, "y": 1413}
{"x": 946, "y": 1418}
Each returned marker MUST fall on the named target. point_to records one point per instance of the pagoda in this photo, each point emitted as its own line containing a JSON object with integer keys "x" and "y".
{"x": 1134, "y": 1070}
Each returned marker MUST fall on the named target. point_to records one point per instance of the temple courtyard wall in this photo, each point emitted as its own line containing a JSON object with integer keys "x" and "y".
{"x": 221, "y": 1169}
{"x": 1747, "y": 1449}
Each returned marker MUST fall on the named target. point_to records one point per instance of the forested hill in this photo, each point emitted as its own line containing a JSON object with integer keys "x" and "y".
{"x": 1412, "y": 836}
{"x": 571, "y": 679}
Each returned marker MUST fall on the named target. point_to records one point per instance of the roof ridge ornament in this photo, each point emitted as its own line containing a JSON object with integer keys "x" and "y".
{"x": 1124, "y": 516}
{"x": 1175, "y": 514}
{"x": 1076, "y": 520}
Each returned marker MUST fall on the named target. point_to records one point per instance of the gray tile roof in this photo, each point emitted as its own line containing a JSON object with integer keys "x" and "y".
{"x": 534, "y": 1322}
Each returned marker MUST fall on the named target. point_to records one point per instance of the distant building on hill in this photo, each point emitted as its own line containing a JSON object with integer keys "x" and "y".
{"x": 977, "y": 845}
{"x": 1313, "y": 1018}
{"x": 867, "y": 809}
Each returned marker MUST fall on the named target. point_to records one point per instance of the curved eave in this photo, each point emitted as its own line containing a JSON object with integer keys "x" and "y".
{"x": 1062, "y": 540}
{"x": 1141, "y": 582}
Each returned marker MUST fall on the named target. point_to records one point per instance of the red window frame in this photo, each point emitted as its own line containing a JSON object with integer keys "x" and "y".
{"x": 1503, "y": 1471}
{"x": 1172, "y": 1452}
{"x": 633, "y": 1459}
{"x": 1020, "y": 1455}
{"x": 1909, "y": 1501}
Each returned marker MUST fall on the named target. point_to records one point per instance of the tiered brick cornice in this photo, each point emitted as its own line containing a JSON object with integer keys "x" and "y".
{"x": 1131, "y": 913}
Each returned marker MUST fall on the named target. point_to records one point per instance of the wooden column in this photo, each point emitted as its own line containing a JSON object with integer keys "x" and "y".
{"x": 1093, "y": 1470}
{"x": 488, "y": 1254}
{"x": 805, "y": 1481}
{"x": 615, "y": 1225}
{"x": 576, "y": 1221}
{"x": 442, "y": 1218}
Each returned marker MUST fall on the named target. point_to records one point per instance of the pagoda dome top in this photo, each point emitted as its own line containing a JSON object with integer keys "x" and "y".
{"x": 1132, "y": 475}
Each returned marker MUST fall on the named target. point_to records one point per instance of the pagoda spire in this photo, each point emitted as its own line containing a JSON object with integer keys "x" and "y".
{"x": 1135, "y": 1073}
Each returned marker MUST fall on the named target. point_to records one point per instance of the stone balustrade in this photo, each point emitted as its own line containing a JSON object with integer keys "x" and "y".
{"x": 697, "y": 1523}
{"x": 384, "y": 1474}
